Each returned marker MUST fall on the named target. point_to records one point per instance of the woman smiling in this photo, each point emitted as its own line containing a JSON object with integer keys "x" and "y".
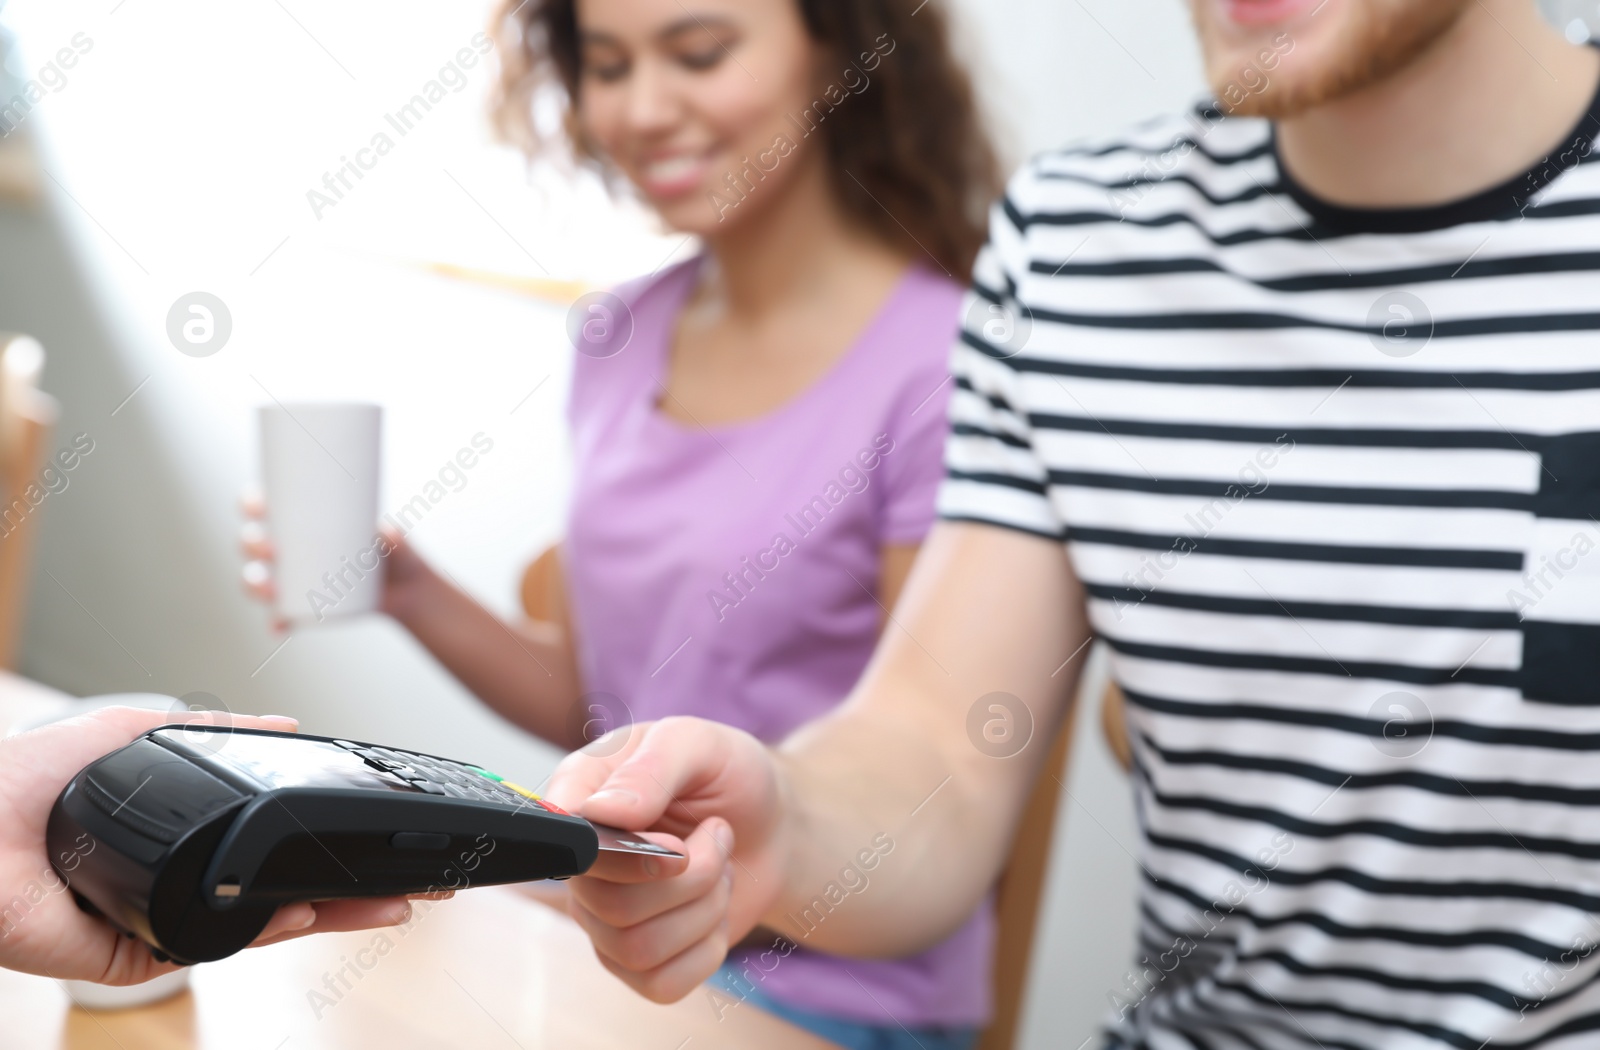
{"x": 758, "y": 431}
{"x": 756, "y": 468}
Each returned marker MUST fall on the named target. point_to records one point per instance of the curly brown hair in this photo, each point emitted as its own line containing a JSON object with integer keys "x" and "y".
{"x": 909, "y": 158}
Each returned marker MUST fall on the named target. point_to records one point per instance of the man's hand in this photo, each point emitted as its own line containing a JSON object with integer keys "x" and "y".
{"x": 769, "y": 833}
{"x": 664, "y": 926}
{"x": 42, "y": 930}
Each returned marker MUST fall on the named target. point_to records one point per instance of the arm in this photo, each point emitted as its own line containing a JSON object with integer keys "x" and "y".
{"x": 986, "y": 610}
{"x": 527, "y": 672}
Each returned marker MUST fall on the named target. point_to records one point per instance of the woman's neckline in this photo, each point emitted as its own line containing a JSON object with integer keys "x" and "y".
{"x": 687, "y": 278}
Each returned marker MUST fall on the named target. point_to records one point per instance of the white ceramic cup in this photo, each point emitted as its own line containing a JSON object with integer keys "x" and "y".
{"x": 91, "y": 996}
{"x": 319, "y": 471}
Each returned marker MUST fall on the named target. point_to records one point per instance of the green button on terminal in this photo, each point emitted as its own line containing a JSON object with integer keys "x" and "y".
{"x": 485, "y": 773}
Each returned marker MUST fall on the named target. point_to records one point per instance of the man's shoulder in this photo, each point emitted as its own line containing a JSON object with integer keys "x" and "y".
{"x": 1202, "y": 146}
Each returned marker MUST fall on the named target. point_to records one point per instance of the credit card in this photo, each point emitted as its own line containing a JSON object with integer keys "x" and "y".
{"x": 615, "y": 840}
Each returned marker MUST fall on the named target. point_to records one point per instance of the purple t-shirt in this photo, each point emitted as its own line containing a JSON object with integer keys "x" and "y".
{"x": 730, "y": 572}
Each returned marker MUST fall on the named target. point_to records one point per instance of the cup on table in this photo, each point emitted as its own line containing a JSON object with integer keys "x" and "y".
{"x": 319, "y": 471}
{"x": 90, "y": 996}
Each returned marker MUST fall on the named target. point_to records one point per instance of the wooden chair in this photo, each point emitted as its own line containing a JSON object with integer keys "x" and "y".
{"x": 544, "y": 596}
{"x": 1022, "y": 885}
{"x": 1020, "y": 892}
{"x": 20, "y": 176}
{"x": 1021, "y": 888}
{"x": 1114, "y": 724}
{"x": 27, "y": 418}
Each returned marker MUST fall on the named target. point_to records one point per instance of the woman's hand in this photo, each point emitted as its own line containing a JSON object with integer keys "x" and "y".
{"x": 664, "y": 926}
{"x": 527, "y": 672}
{"x": 42, "y": 930}
{"x": 405, "y": 574}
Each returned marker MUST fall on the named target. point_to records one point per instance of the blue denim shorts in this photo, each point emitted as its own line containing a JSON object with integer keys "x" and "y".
{"x": 852, "y": 1035}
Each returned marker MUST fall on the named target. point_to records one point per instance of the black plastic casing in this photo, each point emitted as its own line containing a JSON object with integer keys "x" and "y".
{"x": 146, "y": 835}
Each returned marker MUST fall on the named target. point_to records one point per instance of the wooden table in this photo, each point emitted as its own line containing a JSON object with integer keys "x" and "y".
{"x": 492, "y": 969}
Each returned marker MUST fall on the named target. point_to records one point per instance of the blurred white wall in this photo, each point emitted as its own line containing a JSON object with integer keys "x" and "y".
{"x": 179, "y": 153}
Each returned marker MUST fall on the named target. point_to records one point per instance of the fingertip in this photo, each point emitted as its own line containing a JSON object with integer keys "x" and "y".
{"x": 612, "y": 796}
{"x": 290, "y": 919}
{"x": 722, "y": 834}
{"x": 618, "y": 807}
{"x": 671, "y": 867}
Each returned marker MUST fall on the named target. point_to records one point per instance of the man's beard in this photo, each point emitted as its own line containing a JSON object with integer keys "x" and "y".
{"x": 1382, "y": 37}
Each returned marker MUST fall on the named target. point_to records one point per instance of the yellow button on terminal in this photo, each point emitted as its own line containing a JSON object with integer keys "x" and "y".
{"x": 519, "y": 789}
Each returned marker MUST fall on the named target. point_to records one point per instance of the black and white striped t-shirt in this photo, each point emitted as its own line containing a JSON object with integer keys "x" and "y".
{"x": 1330, "y": 479}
